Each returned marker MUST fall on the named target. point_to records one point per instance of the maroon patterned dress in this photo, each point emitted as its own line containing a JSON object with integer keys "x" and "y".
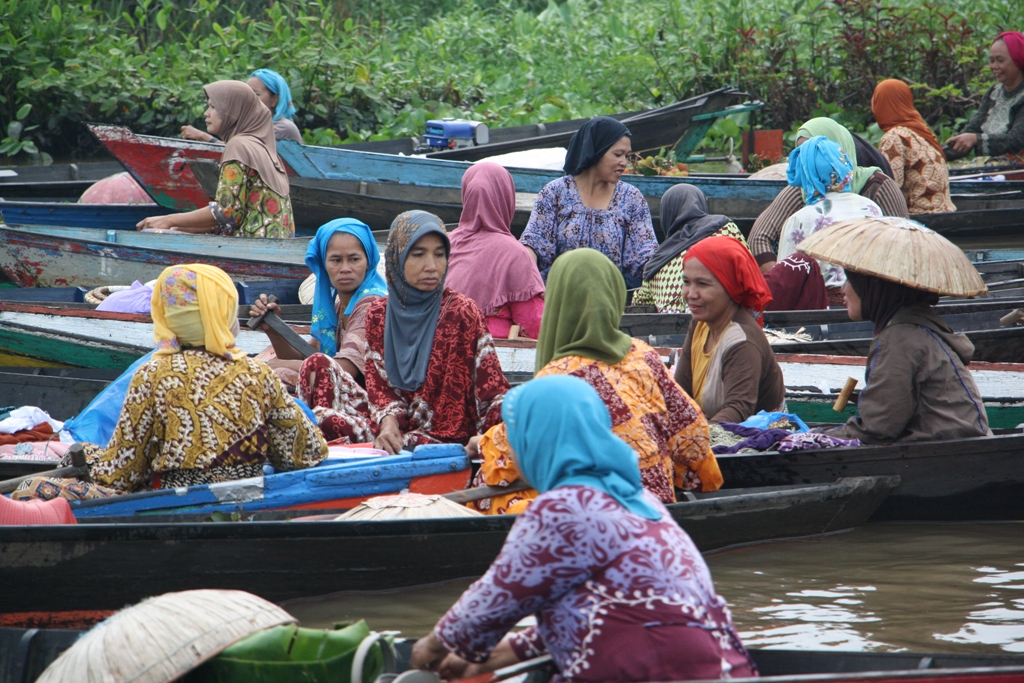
{"x": 462, "y": 393}
{"x": 617, "y": 597}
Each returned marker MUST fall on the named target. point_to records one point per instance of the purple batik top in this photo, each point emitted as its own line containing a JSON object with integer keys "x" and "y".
{"x": 617, "y": 597}
{"x": 623, "y": 232}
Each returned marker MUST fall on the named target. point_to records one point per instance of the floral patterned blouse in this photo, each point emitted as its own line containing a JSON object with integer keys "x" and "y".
{"x": 919, "y": 169}
{"x": 623, "y": 232}
{"x": 248, "y": 207}
{"x": 617, "y": 597}
{"x": 834, "y": 207}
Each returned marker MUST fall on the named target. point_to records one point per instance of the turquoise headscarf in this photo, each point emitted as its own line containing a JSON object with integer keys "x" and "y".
{"x": 324, "y": 323}
{"x": 562, "y": 435}
{"x": 819, "y": 166}
{"x": 276, "y": 84}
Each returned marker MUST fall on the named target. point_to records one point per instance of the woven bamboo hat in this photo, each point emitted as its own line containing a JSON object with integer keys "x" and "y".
{"x": 162, "y": 638}
{"x": 408, "y": 506}
{"x": 897, "y": 249}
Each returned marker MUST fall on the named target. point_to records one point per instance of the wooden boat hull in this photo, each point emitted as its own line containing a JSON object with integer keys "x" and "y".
{"x": 54, "y": 183}
{"x": 96, "y": 216}
{"x": 120, "y": 563}
{"x": 58, "y": 257}
{"x": 968, "y": 479}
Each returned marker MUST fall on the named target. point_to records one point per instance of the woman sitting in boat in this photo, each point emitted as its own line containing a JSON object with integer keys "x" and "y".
{"x": 273, "y": 91}
{"x": 914, "y": 153}
{"x": 823, "y": 173}
{"x": 918, "y": 386}
{"x": 432, "y": 374}
{"x": 623, "y": 595}
{"x": 685, "y": 221}
{"x": 592, "y": 207}
{"x": 344, "y": 257}
{"x": 488, "y": 264}
{"x": 869, "y": 180}
{"x": 252, "y": 195}
{"x": 997, "y": 129}
{"x": 580, "y": 336}
{"x": 726, "y": 363}
{"x": 201, "y": 411}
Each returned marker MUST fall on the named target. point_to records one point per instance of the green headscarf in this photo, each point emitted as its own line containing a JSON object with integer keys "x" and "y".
{"x": 583, "y": 307}
{"x": 838, "y": 134}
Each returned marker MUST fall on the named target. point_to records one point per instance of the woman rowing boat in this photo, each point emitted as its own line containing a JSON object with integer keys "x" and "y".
{"x": 619, "y": 590}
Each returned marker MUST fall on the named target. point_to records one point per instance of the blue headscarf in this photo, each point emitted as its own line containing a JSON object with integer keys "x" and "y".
{"x": 276, "y": 84}
{"x": 819, "y": 166}
{"x": 325, "y": 315}
{"x": 561, "y": 433}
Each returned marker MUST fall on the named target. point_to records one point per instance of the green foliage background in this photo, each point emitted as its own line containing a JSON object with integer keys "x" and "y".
{"x": 376, "y": 70}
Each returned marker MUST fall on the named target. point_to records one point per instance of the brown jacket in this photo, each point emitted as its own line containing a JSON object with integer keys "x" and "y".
{"x": 918, "y": 386}
{"x": 744, "y": 377}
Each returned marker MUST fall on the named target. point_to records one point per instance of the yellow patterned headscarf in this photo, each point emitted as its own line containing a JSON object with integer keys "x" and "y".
{"x": 196, "y": 305}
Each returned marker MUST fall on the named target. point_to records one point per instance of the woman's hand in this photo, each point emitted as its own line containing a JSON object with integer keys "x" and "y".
{"x": 473, "y": 447}
{"x": 427, "y": 653}
{"x": 454, "y": 668}
{"x": 390, "y": 437}
{"x": 260, "y": 307}
{"x": 963, "y": 143}
{"x": 154, "y": 223}
{"x": 193, "y": 133}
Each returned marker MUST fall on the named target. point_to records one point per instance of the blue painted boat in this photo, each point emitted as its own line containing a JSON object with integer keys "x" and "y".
{"x": 332, "y": 485}
{"x": 95, "y": 216}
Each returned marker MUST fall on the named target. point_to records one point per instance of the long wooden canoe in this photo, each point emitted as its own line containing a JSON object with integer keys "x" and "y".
{"x": 119, "y": 563}
{"x": 44, "y": 256}
{"x": 53, "y": 183}
{"x": 71, "y": 214}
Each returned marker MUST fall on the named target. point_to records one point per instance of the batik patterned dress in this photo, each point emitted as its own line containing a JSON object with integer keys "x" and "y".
{"x": 623, "y": 232}
{"x": 247, "y": 207}
{"x": 462, "y": 393}
{"x": 665, "y": 289}
{"x": 617, "y": 597}
{"x": 919, "y": 169}
{"x": 649, "y": 412}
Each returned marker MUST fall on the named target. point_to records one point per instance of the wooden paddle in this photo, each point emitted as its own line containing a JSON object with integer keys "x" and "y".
{"x": 79, "y": 469}
{"x": 282, "y": 328}
{"x": 481, "y": 492}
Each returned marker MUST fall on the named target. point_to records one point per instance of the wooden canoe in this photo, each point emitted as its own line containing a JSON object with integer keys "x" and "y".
{"x": 119, "y": 563}
{"x": 54, "y": 183}
{"x": 71, "y": 214}
{"x": 44, "y": 256}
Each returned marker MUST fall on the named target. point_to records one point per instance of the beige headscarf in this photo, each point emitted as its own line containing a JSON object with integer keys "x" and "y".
{"x": 247, "y": 128}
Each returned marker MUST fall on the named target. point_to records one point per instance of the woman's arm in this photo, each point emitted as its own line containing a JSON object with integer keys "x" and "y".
{"x": 888, "y": 195}
{"x": 540, "y": 234}
{"x": 741, "y": 374}
{"x": 894, "y": 150}
{"x": 1010, "y": 142}
{"x": 125, "y": 464}
{"x": 198, "y": 221}
{"x": 293, "y": 441}
{"x": 684, "y": 366}
{"x": 767, "y": 230}
{"x": 887, "y": 403}
{"x": 639, "y": 241}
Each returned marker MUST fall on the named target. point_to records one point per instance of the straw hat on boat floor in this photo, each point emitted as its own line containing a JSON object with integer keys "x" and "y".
{"x": 897, "y": 249}
{"x": 162, "y": 638}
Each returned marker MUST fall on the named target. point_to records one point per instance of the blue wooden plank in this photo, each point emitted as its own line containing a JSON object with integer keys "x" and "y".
{"x": 94, "y": 216}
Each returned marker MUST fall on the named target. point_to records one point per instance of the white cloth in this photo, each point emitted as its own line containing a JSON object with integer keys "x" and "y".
{"x": 27, "y": 417}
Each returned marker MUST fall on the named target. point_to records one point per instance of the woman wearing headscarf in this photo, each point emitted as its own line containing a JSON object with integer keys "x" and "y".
{"x": 726, "y": 363}
{"x": 914, "y": 153}
{"x": 253, "y": 193}
{"x": 488, "y": 264}
{"x": 823, "y": 173}
{"x": 997, "y": 128}
{"x": 918, "y": 385}
{"x": 869, "y": 180}
{"x": 623, "y": 596}
{"x": 580, "y": 336}
{"x": 685, "y": 220}
{"x": 591, "y": 207}
{"x": 200, "y": 411}
{"x": 432, "y": 374}
{"x": 796, "y": 284}
{"x": 272, "y": 90}
{"x": 344, "y": 258}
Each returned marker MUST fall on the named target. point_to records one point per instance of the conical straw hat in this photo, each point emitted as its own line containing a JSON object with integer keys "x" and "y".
{"x": 897, "y": 249}
{"x": 408, "y": 506}
{"x": 162, "y": 638}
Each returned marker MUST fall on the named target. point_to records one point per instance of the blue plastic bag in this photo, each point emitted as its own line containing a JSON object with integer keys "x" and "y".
{"x": 764, "y": 418}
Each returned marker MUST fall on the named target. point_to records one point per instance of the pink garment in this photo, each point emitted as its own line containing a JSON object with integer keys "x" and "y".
{"x": 526, "y": 314}
{"x": 487, "y": 263}
{"x": 23, "y": 512}
{"x": 136, "y": 299}
{"x": 116, "y": 189}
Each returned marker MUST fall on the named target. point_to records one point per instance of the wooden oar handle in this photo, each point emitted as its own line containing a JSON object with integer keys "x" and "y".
{"x": 844, "y": 395}
{"x": 255, "y": 322}
{"x": 79, "y": 469}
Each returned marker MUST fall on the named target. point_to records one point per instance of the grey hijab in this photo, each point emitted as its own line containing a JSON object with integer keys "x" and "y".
{"x": 411, "y": 317}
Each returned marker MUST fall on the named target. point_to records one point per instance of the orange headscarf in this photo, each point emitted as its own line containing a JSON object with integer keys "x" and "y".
{"x": 731, "y": 263}
{"x": 893, "y": 105}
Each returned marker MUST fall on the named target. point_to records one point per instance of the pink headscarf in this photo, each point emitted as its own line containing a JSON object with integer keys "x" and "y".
{"x": 1015, "y": 44}
{"x": 487, "y": 263}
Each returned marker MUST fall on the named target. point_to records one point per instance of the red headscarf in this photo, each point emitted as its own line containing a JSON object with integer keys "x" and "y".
{"x": 1015, "y": 44}
{"x": 731, "y": 262}
{"x": 893, "y": 105}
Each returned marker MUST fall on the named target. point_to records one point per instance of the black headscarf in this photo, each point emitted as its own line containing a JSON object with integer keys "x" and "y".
{"x": 685, "y": 220}
{"x": 881, "y": 299}
{"x": 591, "y": 141}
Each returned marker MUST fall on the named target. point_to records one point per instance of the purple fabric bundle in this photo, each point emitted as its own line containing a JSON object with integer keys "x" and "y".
{"x": 810, "y": 441}
{"x": 781, "y": 440}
